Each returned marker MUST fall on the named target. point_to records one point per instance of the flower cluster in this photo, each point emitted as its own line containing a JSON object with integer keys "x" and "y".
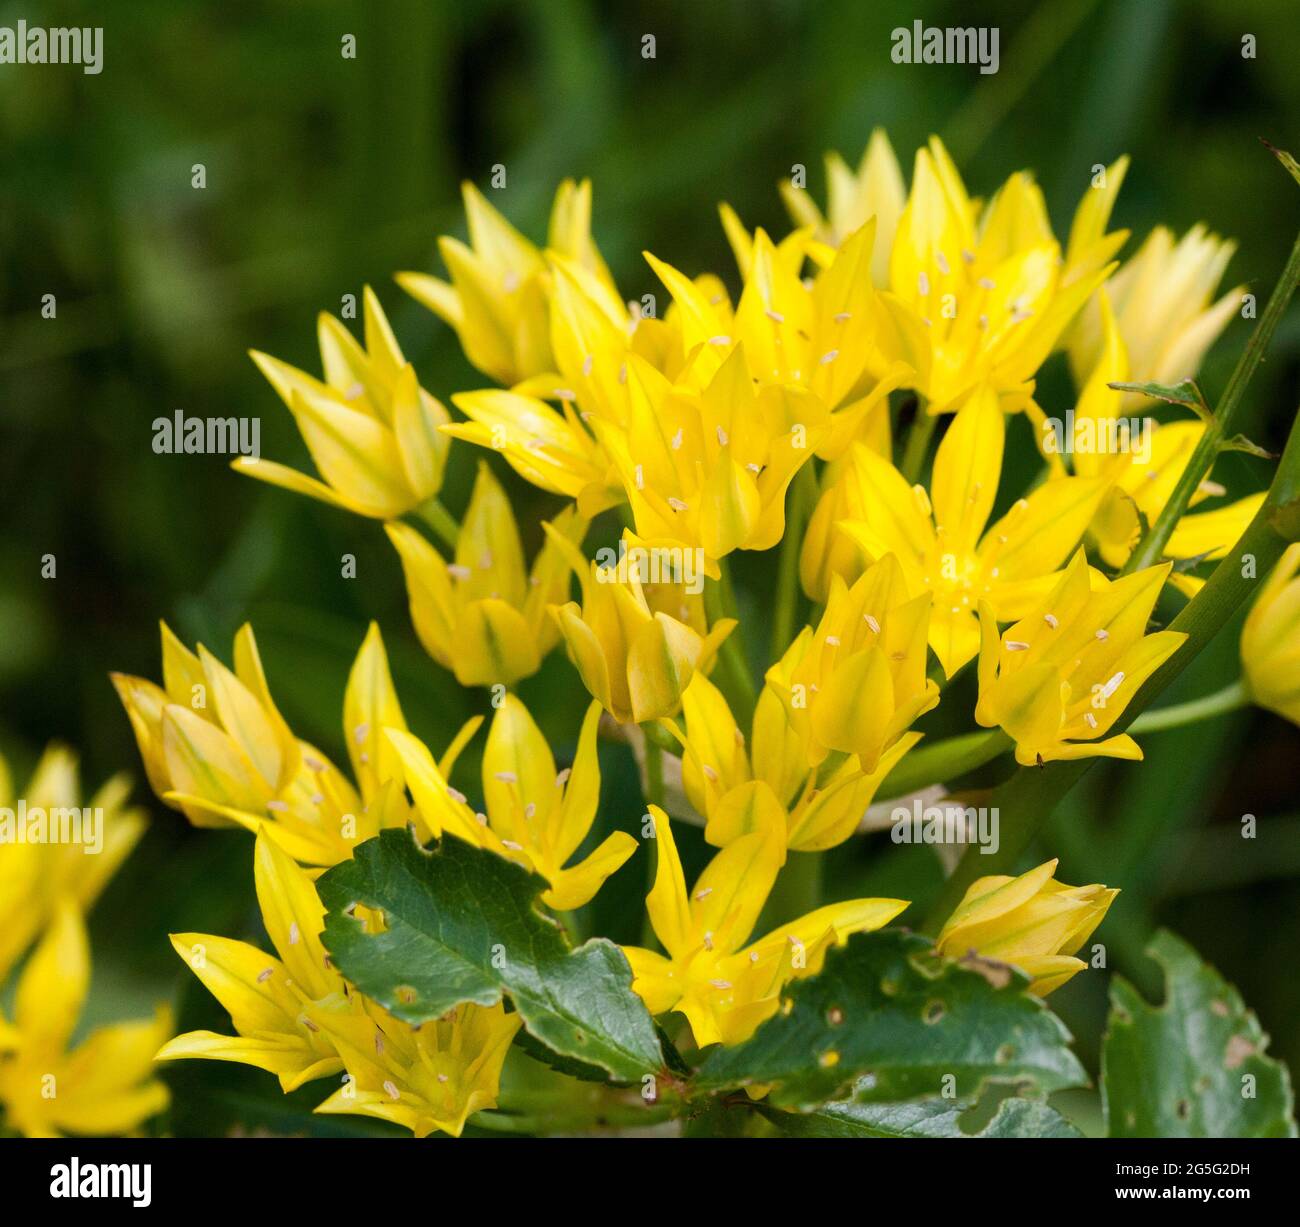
{"x": 103, "y": 1084}
{"x": 855, "y": 404}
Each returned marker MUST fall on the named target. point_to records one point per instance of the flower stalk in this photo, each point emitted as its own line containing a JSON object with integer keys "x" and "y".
{"x": 944, "y": 761}
{"x": 438, "y": 518}
{"x": 736, "y": 680}
{"x": 918, "y": 442}
{"x": 1231, "y": 698}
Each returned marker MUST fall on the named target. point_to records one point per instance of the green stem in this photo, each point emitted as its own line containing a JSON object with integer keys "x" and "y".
{"x": 1230, "y": 698}
{"x": 664, "y": 740}
{"x": 735, "y": 682}
{"x": 558, "y": 1120}
{"x": 438, "y": 518}
{"x": 943, "y": 761}
{"x": 654, "y": 768}
{"x": 1025, "y": 800}
{"x": 918, "y": 442}
{"x": 1151, "y": 548}
{"x": 803, "y": 496}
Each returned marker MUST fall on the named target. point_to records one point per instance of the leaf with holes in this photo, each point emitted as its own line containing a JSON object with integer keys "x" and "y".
{"x": 1193, "y": 1067}
{"x": 888, "y": 1019}
{"x": 930, "y": 1118}
{"x": 463, "y": 924}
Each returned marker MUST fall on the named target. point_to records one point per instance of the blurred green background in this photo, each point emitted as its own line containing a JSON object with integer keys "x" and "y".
{"x": 325, "y": 173}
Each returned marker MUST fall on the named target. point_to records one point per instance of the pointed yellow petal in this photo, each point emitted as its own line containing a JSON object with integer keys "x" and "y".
{"x": 294, "y": 917}
{"x": 52, "y": 987}
{"x": 569, "y": 821}
{"x": 730, "y": 893}
{"x": 967, "y": 469}
{"x": 494, "y": 646}
{"x": 667, "y": 905}
{"x": 577, "y": 885}
{"x": 355, "y": 454}
{"x": 243, "y": 719}
{"x": 518, "y": 772}
{"x": 369, "y": 706}
{"x": 203, "y": 760}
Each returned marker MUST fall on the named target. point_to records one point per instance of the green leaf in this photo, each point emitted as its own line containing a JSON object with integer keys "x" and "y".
{"x": 1185, "y": 393}
{"x": 888, "y": 1019}
{"x": 1180, "y": 1069}
{"x": 1239, "y": 443}
{"x": 464, "y": 924}
{"x": 1292, "y": 167}
{"x": 1182, "y": 566}
{"x": 930, "y": 1118}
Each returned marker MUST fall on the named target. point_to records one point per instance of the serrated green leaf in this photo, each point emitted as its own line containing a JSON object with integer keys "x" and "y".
{"x": 464, "y": 924}
{"x": 1180, "y": 1069}
{"x": 930, "y": 1118}
{"x": 1185, "y": 393}
{"x": 887, "y": 1020}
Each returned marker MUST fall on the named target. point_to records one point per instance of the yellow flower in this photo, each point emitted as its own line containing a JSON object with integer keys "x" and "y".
{"x": 724, "y": 987}
{"x": 434, "y": 1076}
{"x": 532, "y": 815}
{"x": 210, "y": 737}
{"x": 874, "y": 190}
{"x": 709, "y": 469}
{"x": 1161, "y": 298}
{"x": 815, "y": 337}
{"x": 482, "y": 616}
{"x": 1033, "y": 922}
{"x": 635, "y": 658}
{"x": 857, "y": 682}
{"x": 940, "y": 540}
{"x": 1146, "y": 464}
{"x": 105, "y": 1084}
{"x": 216, "y": 748}
{"x": 700, "y": 419}
{"x": 35, "y": 876}
{"x": 1270, "y": 640}
{"x": 267, "y": 997}
{"x": 772, "y": 787}
{"x": 499, "y": 297}
{"x": 372, "y": 431}
{"x": 1059, "y": 678}
{"x": 844, "y": 495}
{"x": 980, "y": 299}
{"x": 551, "y": 450}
